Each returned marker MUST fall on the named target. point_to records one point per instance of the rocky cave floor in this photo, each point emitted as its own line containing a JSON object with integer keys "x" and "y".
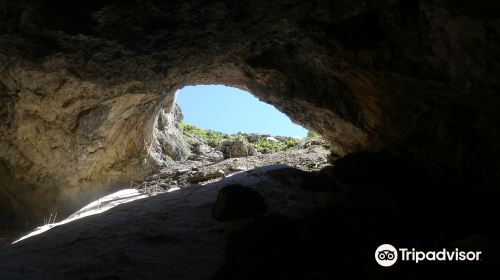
{"x": 183, "y": 173}
{"x": 308, "y": 219}
{"x": 206, "y": 165}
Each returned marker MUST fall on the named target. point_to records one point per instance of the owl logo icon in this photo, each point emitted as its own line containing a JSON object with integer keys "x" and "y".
{"x": 386, "y": 255}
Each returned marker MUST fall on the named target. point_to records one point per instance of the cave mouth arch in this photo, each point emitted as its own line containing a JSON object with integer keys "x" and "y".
{"x": 168, "y": 113}
{"x": 164, "y": 133}
{"x": 121, "y": 134}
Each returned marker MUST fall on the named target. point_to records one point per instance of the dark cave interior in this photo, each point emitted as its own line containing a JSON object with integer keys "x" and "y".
{"x": 406, "y": 93}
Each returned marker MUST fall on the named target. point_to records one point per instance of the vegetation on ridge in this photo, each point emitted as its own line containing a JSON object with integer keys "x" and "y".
{"x": 261, "y": 143}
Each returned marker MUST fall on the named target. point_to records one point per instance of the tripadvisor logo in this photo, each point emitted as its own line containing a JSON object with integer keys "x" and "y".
{"x": 388, "y": 255}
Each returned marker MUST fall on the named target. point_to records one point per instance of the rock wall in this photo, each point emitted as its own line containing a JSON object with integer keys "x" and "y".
{"x": 64, "y": 146}
{"x": 81, "y": 84}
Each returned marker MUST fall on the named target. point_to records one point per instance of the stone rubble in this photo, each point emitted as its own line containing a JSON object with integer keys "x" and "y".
{"x": 183, "y": 173}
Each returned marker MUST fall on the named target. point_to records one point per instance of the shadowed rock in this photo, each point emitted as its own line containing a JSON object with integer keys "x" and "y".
{"x": 236, "y": 202}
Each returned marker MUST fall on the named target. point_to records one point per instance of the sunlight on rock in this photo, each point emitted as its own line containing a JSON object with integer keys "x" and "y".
{"x": 96, "y": 207}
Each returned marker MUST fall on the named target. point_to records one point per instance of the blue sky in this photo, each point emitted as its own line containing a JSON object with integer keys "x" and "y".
{"x": 231, "y": 110}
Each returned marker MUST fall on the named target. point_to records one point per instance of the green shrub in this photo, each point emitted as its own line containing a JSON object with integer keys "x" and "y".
{"x": 311, "y": 134}
{"x": 214, "y": 138}
{"x": 267, "y": 146}
{"x": 291, "y": 143}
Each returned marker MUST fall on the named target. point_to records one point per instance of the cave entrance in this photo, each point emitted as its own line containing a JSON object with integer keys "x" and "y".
{"x": 225, "y": 130}
{"x": 221, "y": 122}
{"x": 231, "y": 110}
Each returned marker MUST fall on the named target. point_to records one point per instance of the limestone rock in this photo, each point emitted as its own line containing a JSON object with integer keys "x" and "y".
{"x": 203, "y": 171}
{"x": 203, "y": 152}
{"x": 166, "y": 135}
{"x": 235, "y": 149}
{"x": 314, "y": 141}
{"x": 205, "y": 176}
{"x": 253, "y": 137}
{"x": 170, "y": 230}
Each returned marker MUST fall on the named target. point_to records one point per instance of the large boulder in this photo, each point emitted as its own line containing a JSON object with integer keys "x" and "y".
{"x": 203, "y": 152}
{"x": 235, "y": 149}
{"x": 236, "y": 202}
